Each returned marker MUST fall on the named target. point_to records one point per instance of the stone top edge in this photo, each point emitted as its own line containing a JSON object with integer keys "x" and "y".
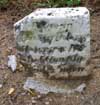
{"x": 62, "y": 10}
{"x": 43, "y": 13}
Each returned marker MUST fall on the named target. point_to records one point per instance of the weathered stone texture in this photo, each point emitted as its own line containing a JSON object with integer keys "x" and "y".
{"x": 57, "y": 40}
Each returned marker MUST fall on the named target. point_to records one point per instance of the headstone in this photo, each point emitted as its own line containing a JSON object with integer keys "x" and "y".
{"x": 56, "y": 41}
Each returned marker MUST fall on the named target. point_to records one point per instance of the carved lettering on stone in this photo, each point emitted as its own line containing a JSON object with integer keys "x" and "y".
{"x": 58, "y": 41}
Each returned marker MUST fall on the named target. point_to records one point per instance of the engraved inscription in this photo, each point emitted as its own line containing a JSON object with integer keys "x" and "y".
{"x": 55, "y": 40}
{"x": 78, "y": 47}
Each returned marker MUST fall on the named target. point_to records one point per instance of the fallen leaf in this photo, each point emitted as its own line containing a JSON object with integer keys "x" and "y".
{"x": 11, "y": 90}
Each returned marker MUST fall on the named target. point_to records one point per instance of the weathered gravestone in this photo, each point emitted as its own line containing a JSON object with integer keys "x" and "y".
{"x": 56, "y": 41}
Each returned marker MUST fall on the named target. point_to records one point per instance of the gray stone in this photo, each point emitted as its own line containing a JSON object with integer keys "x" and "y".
{"x": 56, "y": 41}
{"x": 41, "y": 87}
{"x": 12, "y": 63}
{"x": 80, "y": 88}
{"x": 45, "y": 88}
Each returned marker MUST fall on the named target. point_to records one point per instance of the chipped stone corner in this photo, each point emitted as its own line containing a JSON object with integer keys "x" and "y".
{"x": 55, "y": 41}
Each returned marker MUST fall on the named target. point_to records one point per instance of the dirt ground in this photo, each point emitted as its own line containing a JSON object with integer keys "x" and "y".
{"x": 91, "y": 95}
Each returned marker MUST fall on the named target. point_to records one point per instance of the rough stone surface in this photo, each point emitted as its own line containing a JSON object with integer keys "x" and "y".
{"x": 56, "y": 40}
{"x": 45, "y": 88}
{"x": 42, "y": 87}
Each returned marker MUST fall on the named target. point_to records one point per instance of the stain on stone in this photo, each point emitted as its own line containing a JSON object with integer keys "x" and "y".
{"x": 41, "y": 24}
{"x": 49, "y": 14}
{"x": 27, "y": 34}
{"x": 61, "y": 24}
{"x": 61, "y": 49}
{"x": 66, "y": 30}
{"x": 72, "y": 9}
{"x": 17, "y": 27}
{"x": 77, "y": 10}
{"x": 20, "y": 48}
{"x": 86, "y": 12}
{"x": 40, "y": 30}
{"x": 27, "y": 49}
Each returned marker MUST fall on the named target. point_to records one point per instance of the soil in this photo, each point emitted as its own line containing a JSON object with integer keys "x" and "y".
{"x": 90, "y": 96}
